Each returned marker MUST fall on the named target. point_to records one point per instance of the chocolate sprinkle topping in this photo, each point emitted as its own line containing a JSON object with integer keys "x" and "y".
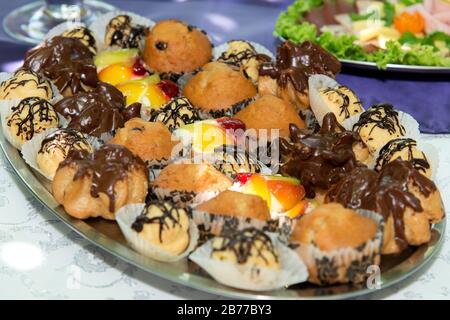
{"x": 242, "y": 242}
{"x": 65, "y": 61}
{"x": 101, "y": 110}
{"x": 296, "y": 63}
{"x": 107, "y": 165}
{"x": 386, "y": 192}
{"x": 319, "y": 159}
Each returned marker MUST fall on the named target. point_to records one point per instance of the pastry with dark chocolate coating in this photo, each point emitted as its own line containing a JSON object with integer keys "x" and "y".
{"x": 67, "y": 62}
{"x": 24, "y": 84}
{"x": 407, "y": 200}
{"x": 321, "y": 159}
{"x": 121, "y": 32}
{"x": 98, "y": 184}
{"x": 101, "y": 110}
{"x": 287, "y": 77}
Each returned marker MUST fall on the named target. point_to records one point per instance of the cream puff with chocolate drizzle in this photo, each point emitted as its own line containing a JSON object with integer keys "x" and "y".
{"x": 24, "y": 84}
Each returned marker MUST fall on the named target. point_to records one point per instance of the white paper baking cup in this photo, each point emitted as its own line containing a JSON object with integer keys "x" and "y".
{"x": 184, "y": 198}
{"x": 31, "y": 148}
{"x": 259, "y": 48}
{"x": 315, "y": 84}
{"x": 98, "y": 27}
{"x": 5, "y": 111}
{"x": 125, "y": 217}
{"x": 292, "y": 269}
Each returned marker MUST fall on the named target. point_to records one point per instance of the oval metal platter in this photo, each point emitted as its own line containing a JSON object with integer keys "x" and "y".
{"x": 107, "y": 235}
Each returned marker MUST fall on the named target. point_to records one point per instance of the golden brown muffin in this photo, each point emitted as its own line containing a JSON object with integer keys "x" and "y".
{"x": 98, "y": 184}
{"x": 331, "y": 227}
{"x": 174, "y": 46}
{"x": 218, "y": 87}
{"x": 191, "y": 177}
{"x": 236, "y": 204}
{"x": 148, "y": 140}
{"x": 270, "y": 112}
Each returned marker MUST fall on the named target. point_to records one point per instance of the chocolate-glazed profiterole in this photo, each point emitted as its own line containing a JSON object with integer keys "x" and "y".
{"x": 99, "y": 183}
{"x": 56, "y": 146}
{"x": 319, "y": 159}
{"x": 67, "y": 62}
{"x": 24, "y": 84}
{"x": 84, "y": 35}
{"x": 31, "y": 116}
{"x": 101, "y": 110}
{"x": 120, "y": 32}
{"x": 378, "y": 125}
{"x": 405, "y": 149}
{"x": 178, "y": 112}
{"x": 287, "y": 77}
{"x": 406, "y": 199}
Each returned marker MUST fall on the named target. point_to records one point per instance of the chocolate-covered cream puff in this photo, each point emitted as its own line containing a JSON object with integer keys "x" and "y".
{"x": 121, "y": 32}
{"x": 98, "y": 184}
{"x": 164, "y": 225}
{"x": 178, "y": 112}
{"x": 287, "y": 77}
{"x": 67, "y": 62}
{"x": 24, "y": 84}
{"x": 342, "y": 101}
{"x": 84, "y": 35}
{"x": 56, "y": 146}
{"x": 31, "y": 116}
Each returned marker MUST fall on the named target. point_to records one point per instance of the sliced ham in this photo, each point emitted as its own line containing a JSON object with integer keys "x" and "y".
{"x": 436, "y": 14}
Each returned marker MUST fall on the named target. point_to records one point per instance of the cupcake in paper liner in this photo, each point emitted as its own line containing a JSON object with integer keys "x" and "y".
{"x": 174, "y": 48}
{"x": 232, "y": 210}
{"x": 245, "y": 55}
{"x": 338, "y": 244}
{"x": 381, "y": 123}
{"x": 250, "y": 259}
{"x": 77, "y": 30}
{"x": 23, "y": 119}
{"x": 423, "y": 156}
{"x": 151, "y": 141}
{"x": 24, "y": 83}
{"x": 219, "y": 90}
{"x": 159, "y": 230}
{"x": 326, "y": 95}
{"x": 189, "y": 183}
{"x": 48, "y": 149}
{"x": 121, "y": 29}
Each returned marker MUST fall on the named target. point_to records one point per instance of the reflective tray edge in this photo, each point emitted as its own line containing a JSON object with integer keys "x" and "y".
{"x": 179, "y": 272}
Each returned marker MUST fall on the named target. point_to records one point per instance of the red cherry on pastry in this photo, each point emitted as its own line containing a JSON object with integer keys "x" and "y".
{"x": 243, "y": 177}
{"x": 231, "y": 123}
{"x": 139, "y": 68}
{"x": 169, "y": 88}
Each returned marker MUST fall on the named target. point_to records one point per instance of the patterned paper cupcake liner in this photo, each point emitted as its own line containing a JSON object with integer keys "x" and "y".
{"x": 98, "y": 27}
{"x": 249, "y": 277}
{"x": 31, "y": 149}
{"x": 226, "y": 112}
{"x": 345, "y": 265}
{"x": 184, "y": 198}
{"x": 125, "y": 217}
{"x": 259, "y": 48}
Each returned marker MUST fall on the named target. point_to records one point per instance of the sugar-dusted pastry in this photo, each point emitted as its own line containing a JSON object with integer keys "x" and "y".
{"x": 405, "y": 149}
{"x": 67, "y": 62}
{"x": 28, "y": 118}
{"x": 24, "y": 84}
{"x": 101, "y": 110}
{"x": 326, "y": 95}
{"x": 407, "y": 200}
{"x": 287, "y": 77}
{"x": 123, "y": 33}
{"x": 174, "y": 47}
{"x": 189, "y": 183}
{"x": 151, "y": 141}
{"x": 269, "y": 113}
{"x": 84, "y": 35}
{"x": 338, "y": 244}
{"x": 321, "y": 159}
{"x": 242, "y": 54}
{"x": 378, "y": 125}
{"x": 219, "y": 89}
{"x": 56, "y": 146}
{"x": 178, "y": 112}
{"x": 250, "y": 259}
{"x": 98, "y": 184}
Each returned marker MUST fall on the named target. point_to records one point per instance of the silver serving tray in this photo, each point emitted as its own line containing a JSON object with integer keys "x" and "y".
{"x": 365, "y": 65}
{"x": 106, "y": 235}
